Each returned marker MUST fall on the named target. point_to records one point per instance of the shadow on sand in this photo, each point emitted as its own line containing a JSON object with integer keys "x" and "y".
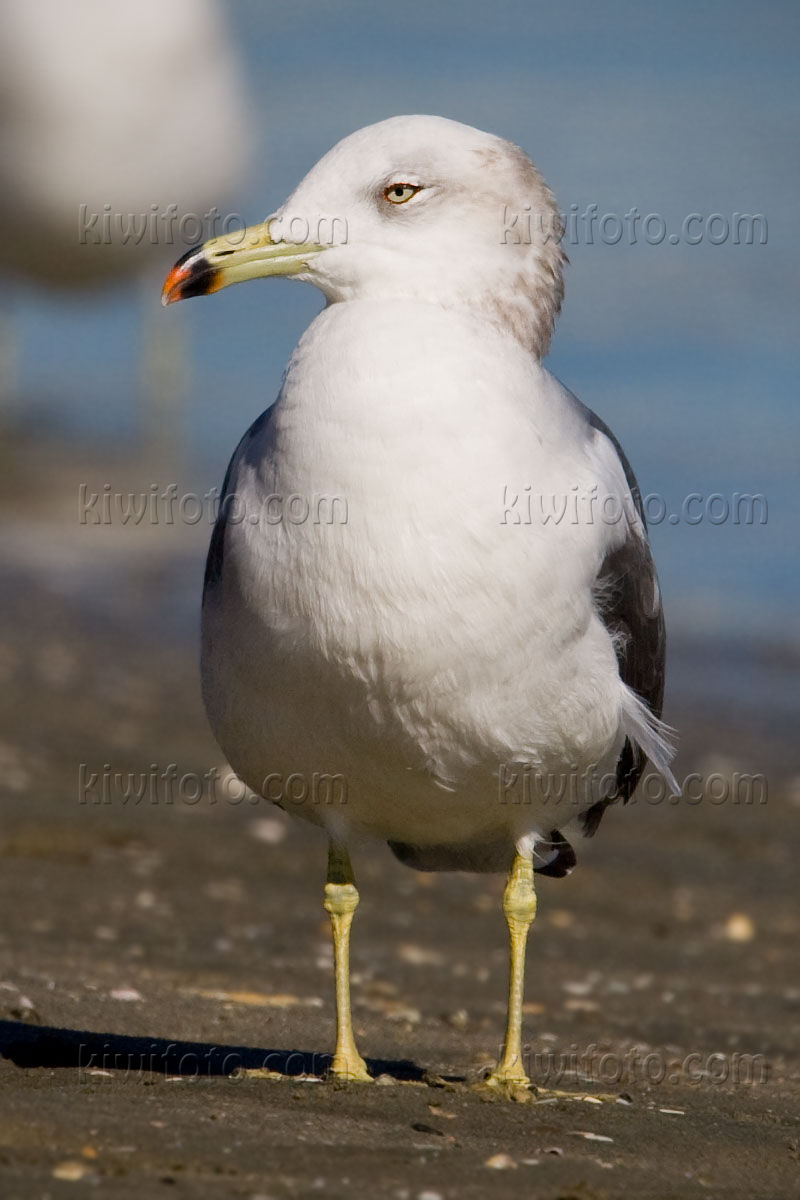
{"x": 45, "y": 1046}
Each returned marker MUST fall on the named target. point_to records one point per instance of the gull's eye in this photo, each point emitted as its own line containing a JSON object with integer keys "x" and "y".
{"x": 400, "y": 193}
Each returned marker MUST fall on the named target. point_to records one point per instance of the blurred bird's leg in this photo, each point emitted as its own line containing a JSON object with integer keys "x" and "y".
{"x": 341, "y": 901}
{"x": 164, "y": 382}
{"x": 10, "y": 406}
{"x": 519, "y": 905}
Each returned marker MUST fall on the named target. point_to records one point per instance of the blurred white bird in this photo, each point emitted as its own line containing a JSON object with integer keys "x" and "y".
{"x": 119, "y": 105}
{"x": 117, "y": 123}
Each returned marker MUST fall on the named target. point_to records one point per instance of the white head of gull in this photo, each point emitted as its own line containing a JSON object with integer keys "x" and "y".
{"x": 429, "y": 595}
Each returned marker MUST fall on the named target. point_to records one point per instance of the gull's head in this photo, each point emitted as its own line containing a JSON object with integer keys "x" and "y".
{"x": 416, "y": 208}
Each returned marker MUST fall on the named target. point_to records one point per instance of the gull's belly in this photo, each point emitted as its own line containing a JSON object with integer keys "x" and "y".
{"x": 423, "y": 645}
{"x": 404, "y": 712}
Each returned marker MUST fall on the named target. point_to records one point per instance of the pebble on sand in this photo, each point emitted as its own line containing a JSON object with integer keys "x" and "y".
{"x": 124, "y": 993}
{"x": 270, "y": 830}
{"x": 501, "y": 1162}
{"x": 256, "y": 999}
{"x": 739, "y": 928}
{"x": 71, "y": 1170}
{"x": 419, "y": 956}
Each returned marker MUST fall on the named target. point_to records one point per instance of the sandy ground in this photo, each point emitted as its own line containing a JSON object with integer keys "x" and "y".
{"x": 151, "y": 948}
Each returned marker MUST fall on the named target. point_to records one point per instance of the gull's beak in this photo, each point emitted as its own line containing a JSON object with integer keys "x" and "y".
{"x": 245, "y": 254}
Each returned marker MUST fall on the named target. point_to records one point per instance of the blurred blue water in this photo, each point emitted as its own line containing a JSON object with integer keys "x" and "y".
{"x": 689, "y": 352}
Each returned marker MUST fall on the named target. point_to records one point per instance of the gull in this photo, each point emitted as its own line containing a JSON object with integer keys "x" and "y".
{"x": 377, "y": 609}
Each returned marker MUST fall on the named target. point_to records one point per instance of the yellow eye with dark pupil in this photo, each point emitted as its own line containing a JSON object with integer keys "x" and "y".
{"x": 399, "y": 193}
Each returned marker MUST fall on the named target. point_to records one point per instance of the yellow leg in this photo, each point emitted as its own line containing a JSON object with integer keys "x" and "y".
{"x": 519, "y": 905}
{"x": 341, "y": 901}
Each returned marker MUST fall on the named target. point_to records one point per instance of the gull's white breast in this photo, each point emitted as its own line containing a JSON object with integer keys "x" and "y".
{"x": 425, "y": 643}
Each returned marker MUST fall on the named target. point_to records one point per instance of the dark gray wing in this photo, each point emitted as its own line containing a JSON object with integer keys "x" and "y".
{"x": 629, "y": 601}
{"x": 216, "y": 550}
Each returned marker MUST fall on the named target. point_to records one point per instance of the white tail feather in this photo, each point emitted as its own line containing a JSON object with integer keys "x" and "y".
{"x": 653, "y": 736}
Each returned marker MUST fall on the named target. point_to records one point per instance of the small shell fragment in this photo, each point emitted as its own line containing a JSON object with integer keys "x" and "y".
{"x": 124, "y": 993}
{"x": 501, "y": 1162}
{"x": 71, "y": 1170}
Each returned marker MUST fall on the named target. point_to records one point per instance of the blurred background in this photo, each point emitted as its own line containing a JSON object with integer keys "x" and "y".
{"x": 689, "y": 351}
{"x": 192, "y": 919}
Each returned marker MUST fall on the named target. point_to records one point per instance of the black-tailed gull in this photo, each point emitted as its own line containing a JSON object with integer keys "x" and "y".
{"x": 447, "y": 652}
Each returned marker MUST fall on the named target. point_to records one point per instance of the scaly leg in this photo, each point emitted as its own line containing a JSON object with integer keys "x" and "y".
{"x": 341, "y": 901}
{"x": 519, "y": 905}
